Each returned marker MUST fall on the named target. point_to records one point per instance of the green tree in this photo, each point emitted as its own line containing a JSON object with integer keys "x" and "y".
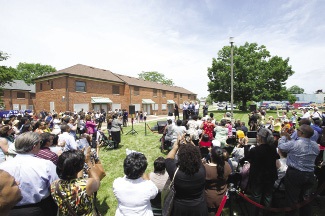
{"x": 257, "y": 75}
{"x": 27, "y": 71}
{"x": 296, "y": 90}
{"x": 7, "y": 74}
{"x": 155, "y": 76}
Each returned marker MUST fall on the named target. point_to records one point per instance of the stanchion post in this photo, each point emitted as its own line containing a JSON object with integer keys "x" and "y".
{"x": 231, "y": 193}
{"x": 145, "y": 128}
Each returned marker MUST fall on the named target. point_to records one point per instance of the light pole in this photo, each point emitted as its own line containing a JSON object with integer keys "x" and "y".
{"x": 231, "y": 40}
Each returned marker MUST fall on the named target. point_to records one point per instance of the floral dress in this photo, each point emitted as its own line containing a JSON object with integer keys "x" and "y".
{"x": 74, "y": 192}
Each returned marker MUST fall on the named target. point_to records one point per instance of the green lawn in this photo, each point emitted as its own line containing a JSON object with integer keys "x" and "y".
{"x": 149, "y": 145}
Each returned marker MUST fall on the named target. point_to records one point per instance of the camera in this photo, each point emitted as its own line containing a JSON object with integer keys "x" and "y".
{"x": 187, "y": 138}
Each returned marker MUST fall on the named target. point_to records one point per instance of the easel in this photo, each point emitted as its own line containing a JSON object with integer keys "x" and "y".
{"x": 132, "y": 131}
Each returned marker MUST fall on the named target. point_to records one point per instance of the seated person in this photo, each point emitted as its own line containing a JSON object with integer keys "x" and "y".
{"x": 10, "y": 193}
{"x": 135, "y": 190}
{"x": 159, "y": 176}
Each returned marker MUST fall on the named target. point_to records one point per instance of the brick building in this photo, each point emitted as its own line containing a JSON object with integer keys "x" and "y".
{"x": 18, "y": 96}
{"x": 84, "y": 87}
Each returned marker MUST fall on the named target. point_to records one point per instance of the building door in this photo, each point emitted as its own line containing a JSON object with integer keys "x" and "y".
{"x": 170, "y": 108}
{"x": 52, "y": 106}
{"x": 15, "y": 106}
{"x": 23, "y": 106}
{"x": 104, "y": 107}
{"x": 96, "y": 107}
{"x": 146, "y": 108}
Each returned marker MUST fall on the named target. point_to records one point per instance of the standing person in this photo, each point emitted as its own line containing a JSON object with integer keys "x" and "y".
{"x": 197, "y": 108}
{"x": 125, "y": 118}
{"x": 34, "y": 175}
{"x": 135, "y": 190}
{"x": 263, "y": 171}
{"x": 205, "y": 109}
{"x": 185, "y": 107}
{"x": 294, "y": 119}
{"x": 176, "y": 111}
{"x": 116, "y": 130}
{"x": 189, "y": 180}
{"x": 299, "y": 179}
{"x": 208, "y": 128}
{"x": 217, "y": 172}
{"x": 91, "y": 130}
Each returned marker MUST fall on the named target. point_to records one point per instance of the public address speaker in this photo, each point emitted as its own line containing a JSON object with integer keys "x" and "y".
{"x": 131, "y": 109}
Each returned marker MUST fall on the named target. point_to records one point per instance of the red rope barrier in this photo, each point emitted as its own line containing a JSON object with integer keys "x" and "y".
{"x": 222, "y": 205}
{"x": 285, "y": 209}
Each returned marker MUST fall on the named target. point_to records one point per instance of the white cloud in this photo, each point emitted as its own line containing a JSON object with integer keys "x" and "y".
{"x": 177, "y": 38}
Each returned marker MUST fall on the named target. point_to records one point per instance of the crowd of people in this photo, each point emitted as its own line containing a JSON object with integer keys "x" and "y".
{"x": 54, "y": 159}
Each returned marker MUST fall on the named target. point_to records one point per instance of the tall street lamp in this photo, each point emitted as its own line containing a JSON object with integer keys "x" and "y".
{"x": 231, "y": 40}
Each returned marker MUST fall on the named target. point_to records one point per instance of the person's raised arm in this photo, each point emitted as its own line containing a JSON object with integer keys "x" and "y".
{"x": 4, "y": 145}
{"x": 172, "y": 152}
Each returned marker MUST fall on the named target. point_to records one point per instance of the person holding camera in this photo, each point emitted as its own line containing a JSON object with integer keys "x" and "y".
{"x": 74, "y": 194}
{"x": 189, "y": 180}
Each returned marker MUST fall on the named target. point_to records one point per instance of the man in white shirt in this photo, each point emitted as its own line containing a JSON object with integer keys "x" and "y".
{"x": 306, "y": 114}
{"x": 34, "y": 175}
{"x": 66, "y": 139}
{"x": 316, "y": 114}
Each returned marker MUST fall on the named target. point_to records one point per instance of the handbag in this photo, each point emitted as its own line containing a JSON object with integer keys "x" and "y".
{"x": 167, "y": 196}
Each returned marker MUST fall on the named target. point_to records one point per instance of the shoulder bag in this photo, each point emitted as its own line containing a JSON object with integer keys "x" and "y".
{"x": 167, "y": 196}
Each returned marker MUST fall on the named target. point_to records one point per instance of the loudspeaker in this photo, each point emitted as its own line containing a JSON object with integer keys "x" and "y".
{"x": 131, "y": 109}
{"x": 251, "y": 134}
{"x": 252, "y": 107}
{"x": 161, "y": 126}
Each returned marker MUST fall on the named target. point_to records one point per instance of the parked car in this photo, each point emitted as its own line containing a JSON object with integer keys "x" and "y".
{"x": 272, "y": 107}
{"x": 221, "y": 108}
{"x": 304, "y": 107}
{"x": 291, "y": 107}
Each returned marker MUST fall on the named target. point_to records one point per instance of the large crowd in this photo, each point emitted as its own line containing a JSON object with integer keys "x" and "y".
{"x": 49, "y": 162}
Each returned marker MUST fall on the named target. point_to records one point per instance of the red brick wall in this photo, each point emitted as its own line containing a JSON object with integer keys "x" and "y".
{"x": 95, "y": 88}
{"x": 10, "y": 97}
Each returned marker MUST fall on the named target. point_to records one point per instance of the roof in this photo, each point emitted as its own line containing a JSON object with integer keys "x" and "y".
{"x": 20, "y": 85}
{"x": 149, "y": 84}
{"x": 85, "y": 71}
{"x": 88, "y": 71}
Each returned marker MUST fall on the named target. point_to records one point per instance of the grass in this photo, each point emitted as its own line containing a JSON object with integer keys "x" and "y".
{"x": 149, "y": 144}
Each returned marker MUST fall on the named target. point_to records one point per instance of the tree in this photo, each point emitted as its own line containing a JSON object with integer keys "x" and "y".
{"x": 257, "y": 75}
{"x": 7, "y": 74}
{"x": 154, "y": 76}
{"x": 296, "y": 90}
{"x": 27, "y": 71}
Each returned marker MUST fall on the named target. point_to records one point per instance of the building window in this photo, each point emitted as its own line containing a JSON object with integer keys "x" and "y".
{"x": 163, "y": 93}
{"x": 116, "y": 89}
{"x": 20, "y": 95}
{"x": 41, "y": 86}
{"x": 136, "y": 90}
{"x": 155, "y": 93}
{"x": 52, "y": 85}
{"x": 163, "y": 106}
{"x": 80, "y": 86}
{"x": 175, "y": 95}
{"x": 189, "y": 96}
{"x": 180, "y": 95}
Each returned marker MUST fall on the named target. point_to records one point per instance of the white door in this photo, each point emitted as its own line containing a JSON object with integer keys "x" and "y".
{"x": 23, "y": 106}
{"x": 78, "y": 107}
{"x": 116, "y": 106}
{"x": 52, "y": 106}
{"x": 146, "y": 108}
{"x": 97, "y": 107}
{"x": 15, "y": 106}
{"x": 104, "y": 107}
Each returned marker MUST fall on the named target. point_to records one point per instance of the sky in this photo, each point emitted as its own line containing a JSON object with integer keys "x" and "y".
{"x": 178, "y": 38}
